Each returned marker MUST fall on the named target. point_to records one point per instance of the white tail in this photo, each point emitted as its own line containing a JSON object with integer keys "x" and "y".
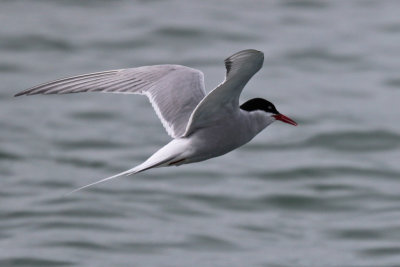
{"x": 168, "y": 153}
{"x": 128, "y": 172}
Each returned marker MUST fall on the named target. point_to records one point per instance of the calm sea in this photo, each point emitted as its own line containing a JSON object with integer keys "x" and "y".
{"x": 325, "y": 193}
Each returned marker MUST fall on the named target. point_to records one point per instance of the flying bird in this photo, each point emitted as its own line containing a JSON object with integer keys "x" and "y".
{"x": 202, "y": 126}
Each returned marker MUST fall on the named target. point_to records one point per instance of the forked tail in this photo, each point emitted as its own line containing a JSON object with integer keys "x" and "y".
{"x": 140, "y": 168}
{"x": 169, "y": 153}
{"x": 128, "y": 172}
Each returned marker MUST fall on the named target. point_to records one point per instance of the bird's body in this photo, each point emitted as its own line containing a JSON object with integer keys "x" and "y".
{"x": 202, "y": 125}
{"x": 217, "y": 139}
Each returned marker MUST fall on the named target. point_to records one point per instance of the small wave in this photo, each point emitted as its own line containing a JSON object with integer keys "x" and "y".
{"x": 357, "y": 234}
{"x": 82, "y": 163}
{"x": 89, "y": 213}
{"x": 88, "y": 144}
{"x": 224, "y": 202}
{"x": 53, "y": 184}
{"x": 63, "y": 225}
{"x": 33, "y": 261}
{"x": 205, "y": 242}
{"x": 122, "y": 44}
{"x": 305, "y": 4}
{"x": 35, "y": 42}
{"x": 79, "y": 244}
{"x": 279, "y": 201}
{"x": 346, "y": 141}
{"x": 193, "y": 242}
{"x": 179, "y": 32}
{"x": 394, "y": 83}
{"x": 8, "y": 67}
{"x": 303, "y": 202}
{"x": 321, "y": 54}
{"x": 5, "y": 155}
{"x": 331, "y": 171}
{"x": 194, "y": 33}
{"x": 355, "y": 141}
{"x": 255, "y": 228}
{"x": 184, "y": 211}
{"x": 390, "y": 28}
{"x": 383, "y": 251}
{"x": 93, "y": 115}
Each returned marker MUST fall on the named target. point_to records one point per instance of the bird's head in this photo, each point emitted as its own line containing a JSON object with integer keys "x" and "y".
{"x": 267, "y": 107}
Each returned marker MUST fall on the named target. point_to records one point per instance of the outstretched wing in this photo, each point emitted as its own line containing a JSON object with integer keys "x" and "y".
{"x": 240, "y": 67}
{"x": 173, "y": 90}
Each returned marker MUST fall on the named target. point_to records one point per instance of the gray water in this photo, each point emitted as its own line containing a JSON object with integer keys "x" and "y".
{"x": 325, "y": 193}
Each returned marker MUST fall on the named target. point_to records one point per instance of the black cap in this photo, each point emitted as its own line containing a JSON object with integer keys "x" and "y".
{"x": 259, "y": 104}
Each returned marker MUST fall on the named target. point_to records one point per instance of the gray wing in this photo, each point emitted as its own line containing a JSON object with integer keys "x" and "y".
{"x": 173, "y": 90}
{"x": 240, "y": 67}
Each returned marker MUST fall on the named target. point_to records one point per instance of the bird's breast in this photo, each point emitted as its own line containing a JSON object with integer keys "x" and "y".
{"x": 218, "y": 139}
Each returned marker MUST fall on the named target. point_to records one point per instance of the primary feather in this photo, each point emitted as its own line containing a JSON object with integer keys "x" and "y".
{"x": 173, "y": 90}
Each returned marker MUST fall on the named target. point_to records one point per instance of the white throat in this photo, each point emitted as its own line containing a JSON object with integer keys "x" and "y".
{"x": 259, "y": 120}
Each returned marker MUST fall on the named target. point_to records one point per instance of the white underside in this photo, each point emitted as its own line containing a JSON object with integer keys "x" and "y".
{"x": 204, "y": 126}
{"x": 215, "y": 140}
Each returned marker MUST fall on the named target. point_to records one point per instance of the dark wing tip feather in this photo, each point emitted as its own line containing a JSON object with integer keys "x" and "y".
{"x": 44, "y": 88}
{"x": 244, "y": 53}
{"x": 28, "y": 92}
{"x": 25, "y": 92}
{"x": 228, "y": 65}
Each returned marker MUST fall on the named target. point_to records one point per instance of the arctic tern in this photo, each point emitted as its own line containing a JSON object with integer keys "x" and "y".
{"x": 202, "y": 126}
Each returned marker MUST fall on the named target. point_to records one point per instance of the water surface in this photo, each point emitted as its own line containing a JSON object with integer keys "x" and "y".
{"x": 325, "y": 193}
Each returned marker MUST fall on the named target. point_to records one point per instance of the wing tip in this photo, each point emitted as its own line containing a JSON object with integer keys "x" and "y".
{"x": 253, "y": 55}
{"x": 26, "y": 93}
{"x": 244, "y": 53}
{"x": 39, "y": 88}
{"x": 21, "y": 93}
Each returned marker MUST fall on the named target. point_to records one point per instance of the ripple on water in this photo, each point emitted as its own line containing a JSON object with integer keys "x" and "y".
{"x": 74, "y": 212}
{"x": 194, "y": 34}
{"x": 198, "y": 243}
{"x": 394, "y": 83}
{"x": 184, "y": 210}
{"x": 179, "y": 32}
{"x": 80, "y": 244}
{"x": 353, "y": 141}
{"x": 93, "y": 115}
{"x": 33, "y": 261}
{"x": 390, "y": 28}
{"x": 208, "y": 243}
{"x": 61, "y": 224}
{"x": 305, "y": 203}
{"x": 357, "y": 234}
{"x": 28, "y": 42}
{"x": 381, "y": 251}
{"x": 131, "y": 44}
{"x": 80, "y": 162}
{"x": 376, "y": 233}
{"x": 346, "y": 141}
{"x": 329, "y": 171}
{"x": 322, "y": 54}
{"x": 305, "y": 4}
{"x": 88, "y": 144}
{"x": 5, "y": 155}
{"x": 10, "y": 68}
{"x": 266, "y": 202}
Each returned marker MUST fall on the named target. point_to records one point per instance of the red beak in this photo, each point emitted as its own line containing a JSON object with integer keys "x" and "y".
{"x": 281, "y": 117}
